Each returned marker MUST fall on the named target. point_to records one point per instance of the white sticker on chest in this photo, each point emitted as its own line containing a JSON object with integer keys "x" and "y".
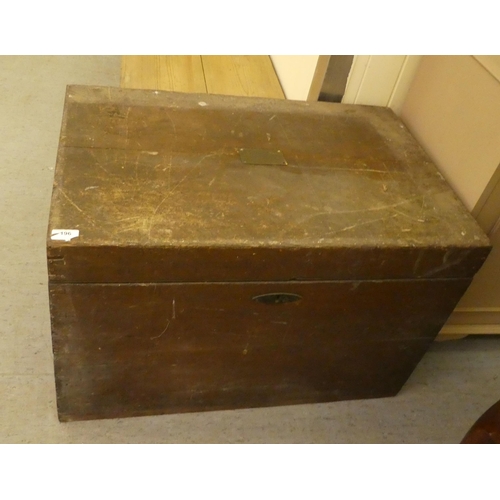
{"x": 64, "y": 234}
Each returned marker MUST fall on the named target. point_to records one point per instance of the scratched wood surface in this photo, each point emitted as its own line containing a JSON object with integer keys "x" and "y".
{"x": 199, "y": 281}
{"x": 128, "y": 350}
{"x": 143, "y": 170}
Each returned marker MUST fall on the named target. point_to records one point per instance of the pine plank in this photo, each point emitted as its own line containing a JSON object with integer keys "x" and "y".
{"x": 174, "y": 73}
{"x": 241, "y": 76}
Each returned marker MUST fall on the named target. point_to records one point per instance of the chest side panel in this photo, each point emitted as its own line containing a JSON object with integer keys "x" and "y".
{"x": 123, "y": 350}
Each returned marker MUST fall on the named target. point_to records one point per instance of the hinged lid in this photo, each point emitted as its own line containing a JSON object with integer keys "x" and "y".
{"x": 158, "y": 189}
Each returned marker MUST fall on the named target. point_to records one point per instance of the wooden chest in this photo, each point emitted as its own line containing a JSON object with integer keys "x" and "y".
{"x": 209, "y": 252}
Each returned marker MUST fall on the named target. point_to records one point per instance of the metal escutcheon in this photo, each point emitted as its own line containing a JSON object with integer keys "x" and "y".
{"x": 276, "y": 298}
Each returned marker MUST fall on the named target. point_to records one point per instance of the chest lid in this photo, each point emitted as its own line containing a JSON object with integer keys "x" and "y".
{"x": 164, "y": 186}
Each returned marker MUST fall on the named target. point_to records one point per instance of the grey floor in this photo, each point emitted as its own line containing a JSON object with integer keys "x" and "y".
{"x": 455, "y": 382}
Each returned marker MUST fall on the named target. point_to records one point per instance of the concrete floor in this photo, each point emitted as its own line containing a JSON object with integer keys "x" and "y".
{"x": 455, "y": 382}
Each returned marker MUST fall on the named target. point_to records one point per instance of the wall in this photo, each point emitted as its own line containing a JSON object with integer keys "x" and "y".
{"x": 295, "y": 74}
{"x": 380, "y": 80}
{"x": 453, "y": 109}
{"x": 373, "y": 80}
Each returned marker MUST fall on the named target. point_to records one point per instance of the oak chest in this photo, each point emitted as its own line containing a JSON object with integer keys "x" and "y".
{"x": 213, "y": 252}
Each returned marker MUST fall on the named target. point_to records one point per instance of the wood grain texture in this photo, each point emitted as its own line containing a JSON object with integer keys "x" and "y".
{"x": 173, "y": 73}
{"x": 135, "y": 263}
{"x": 140, "y": 172}
{"x": 318, "y": 78}
{"x": 125, "y": 350}
{"x": 241, "y": 76}
{"x": 152, "y": 304}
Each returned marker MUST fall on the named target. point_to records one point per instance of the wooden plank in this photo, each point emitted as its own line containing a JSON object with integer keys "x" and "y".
{"x": 174, "y": 73}
{"x": 318, "y": 78}
{"x": 241, "y": 76}
{"x": 155, "y": 348}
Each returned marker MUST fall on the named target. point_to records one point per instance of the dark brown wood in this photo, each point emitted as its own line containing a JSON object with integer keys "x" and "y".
{"x": 486, "y": 430}
{"x": 134, "y": 350}
{"x": 147, "y": 170}
{"x": 152, "y": 304}
{"x": 123, "y": 264}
